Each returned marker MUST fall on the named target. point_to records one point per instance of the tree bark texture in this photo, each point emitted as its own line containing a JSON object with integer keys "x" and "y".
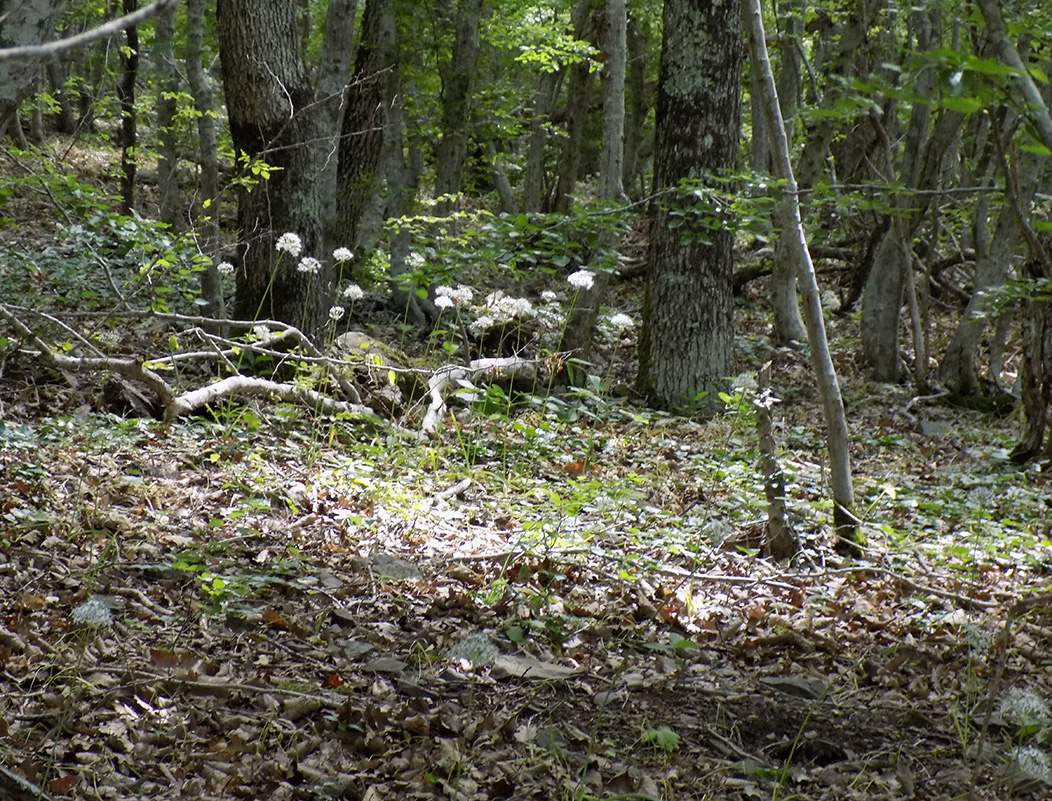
{"x": 203, "y": 213}
{"x": 540, "y": 126}
{"x": 688, "y": 328}
{"x": 269, "y": 104}
{"x": 578, "y": 100}
{"x": 637, "y": 106}
{"x": 585, "y": 311}
{"x": 334, "y": 75}
{"x": 23, "y": 22}
{"x": 457, "y": 75}
{"x": 362, "y": 131}
{"x": 163, "y": 57}
{"x": 129, "y": 120}
{"x": 838, "y": 441}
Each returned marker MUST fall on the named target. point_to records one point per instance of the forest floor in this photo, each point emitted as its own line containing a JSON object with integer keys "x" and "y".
{"x": 558, "y": 601}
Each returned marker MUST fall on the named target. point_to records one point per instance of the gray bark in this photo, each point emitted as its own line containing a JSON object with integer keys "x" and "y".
{"x": 923, "y": 152}
{"x": 687, "y": 334}
{"x": 838, "y": 441}
{"x": 585, "y": 311}
{"x": 203, "y": 214}
{"x": 457, "y": 75}
{"x": 23, "y": 23}
{"x": 128, "y": 132}
{"x": 578, "y": 95}
{"x": 163, "y": 57}
{"x": 636, "y": 111}
{"x": 788, "y": 324}
{"x": 334, "y": 75}
{"x": 270, "y": 107}
{"x": 361, "y": 133}
{"x": 533, "y": 179}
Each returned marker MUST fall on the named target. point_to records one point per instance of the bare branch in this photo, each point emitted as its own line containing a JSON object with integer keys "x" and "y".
{"x": 108, "y": 29}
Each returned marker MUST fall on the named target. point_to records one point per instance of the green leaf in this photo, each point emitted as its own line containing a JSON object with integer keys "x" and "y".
{"x": 965, "y": 105}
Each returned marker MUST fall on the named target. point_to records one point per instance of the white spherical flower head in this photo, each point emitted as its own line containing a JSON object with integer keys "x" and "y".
{"x": 309, "y": 264}
{"x": 291, "y": 244}
{"x": 342, "y": 254}
{"x": 336, "y": 312}
{"x": 444, "y": 302}
{"x": 225, "y": 268}
{"x": 261, "y": 331}
{"x": 415, "y": 260}
{"x": 622, "y": 321}
{"x": 509, "y": 308}
{"x": 548, "y": 296}
{"x": 582, "y": 279}
{"x": 353, "y": 292}
{"x": 462, "y": 295}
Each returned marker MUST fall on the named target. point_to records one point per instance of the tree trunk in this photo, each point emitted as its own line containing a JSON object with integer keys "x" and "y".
{"x": 688, "y": 327}
{"x": 66, "y": 119}
{"x": 636, "y": 112}
{"x": 543, "y": 103}
{"x": 578, "y": 95}
{"x": 923, "y": 153}
{"x": 457, "y": 75}
{"x": 168, "y": 80}
{"x": 129, "y": 122}
{"x": 22, "y": 23}
{"x": 334, "y": 75}
{"x": 788, "y": 324}
{"x": 585, "y": 311}
{"x": 270, "y": 108}
{"x": 839, "y": 443}
{"x": 203, "y": 214}
{"x": 362, "y": 132}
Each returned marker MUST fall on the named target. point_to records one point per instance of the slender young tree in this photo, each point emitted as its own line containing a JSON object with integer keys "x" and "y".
{"x": 687, "y": 334}
{"x": 828, "y": 387}
{"x": 270, "y": 108}
{"x": 163, "y": 58}
{"x": 129, "y": 118}
{"x": 203, "y": 213}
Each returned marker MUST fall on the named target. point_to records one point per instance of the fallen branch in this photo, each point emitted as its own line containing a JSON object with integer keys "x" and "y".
{"x": 437, "y": 385}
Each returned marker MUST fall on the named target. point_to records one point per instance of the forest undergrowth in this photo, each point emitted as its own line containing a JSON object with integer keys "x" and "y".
{"x": 556, "y": 596}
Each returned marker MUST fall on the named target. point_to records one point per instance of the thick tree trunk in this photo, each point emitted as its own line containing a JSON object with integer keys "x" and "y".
{"x": 362, "y": 132}
{"x": 66, "y": 118}
{"x": 457, "y": 75}
{"x": 334, "y": 75}
{"x": 22, "y": 23}
{"x": 129, "y": 121}
{"x": 168, "y": 78}
{"x": 269, "y": 104}
{"x": 688, "y": 327}
{"x": 203, "y": 214}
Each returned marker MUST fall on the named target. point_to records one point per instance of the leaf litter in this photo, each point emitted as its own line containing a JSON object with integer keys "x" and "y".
{"x": 541, "y": 607}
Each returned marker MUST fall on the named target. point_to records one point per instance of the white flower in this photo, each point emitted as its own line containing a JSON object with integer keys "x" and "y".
{"x": 309, "y": 264}
{"x": 336, "y": 312}
{"x": 225, "y": 268}
{"x": 459, "y": 295}
{"x": 509, "y": 308}
{"x": 1033, "y": 763}
{"x": 93, "y": 613}
{"x": 463, "y": 294}
{"x": 291, "y": 244}
{"x": 415, "y": 260}
{"x": 353, "y": 292}
{"x": 444, "y": 302}
{"x": 582, "y": 279}
{"x": 548, "y": 296}
{"x": 1022, "y": 705}
{"x": 342, "y": 254}
{"x": 484, "y": 323}
{"x": 622, "y": 321}
{"x": 261, "y": 331}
